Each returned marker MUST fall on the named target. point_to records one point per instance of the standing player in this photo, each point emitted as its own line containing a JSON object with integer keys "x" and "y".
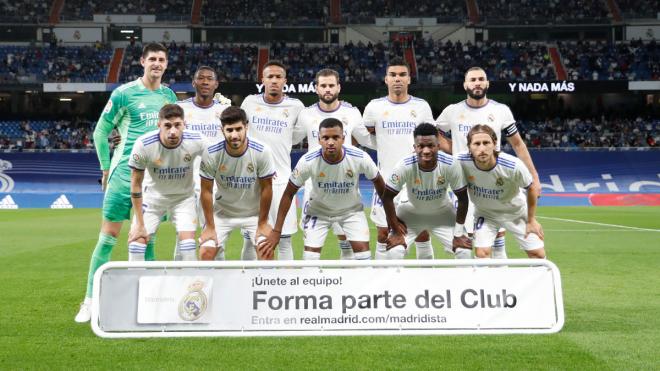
{"x": 392, "y": 119}
{"x": 426, "y": 176}
{"x": 495, "y": 182}
{"x": 456, "y": 120}
{"x": 203, "y": 115}
{"x": 243, "y": 170}
{"x": 329, "y": 105}
{"x": 335, "y": 195}
{"x": 272, "y": 119}
{"x": 133, "y": 110}
{"x": 167, "y": 156}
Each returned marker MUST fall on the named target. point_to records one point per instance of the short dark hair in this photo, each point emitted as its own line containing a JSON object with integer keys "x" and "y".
{"x": 475, "y": 68}
{"x": 397, "y": 61}
{"x": 206, "y": 68}
{"x": 331, "y": 122}
{"x": 169, "y": 111}
{"x": 479, "y": 128}
{"x": 325, "y": 73}
{"x": 232, "y": 115}
{"x": 275, "y": 63}
{"x": 153, "y": 47}
{"x": 425, "y": 129}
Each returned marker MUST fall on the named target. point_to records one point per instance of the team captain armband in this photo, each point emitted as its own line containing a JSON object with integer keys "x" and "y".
{"x": 136, "y": 194}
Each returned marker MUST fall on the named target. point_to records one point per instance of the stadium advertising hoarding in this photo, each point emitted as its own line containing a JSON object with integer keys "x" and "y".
{"x": 552, "y": 87}
{"x": 170, "y": 299}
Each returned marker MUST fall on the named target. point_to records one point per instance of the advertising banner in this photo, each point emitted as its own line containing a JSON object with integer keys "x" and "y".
{"x": 326, "y": 298}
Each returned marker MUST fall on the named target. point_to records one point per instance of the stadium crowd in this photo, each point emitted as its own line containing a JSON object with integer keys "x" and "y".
{"x": 163, "y": 9}
{"x": 599, "y": 60}
{"x": 24, "y": 11}
{"x": 538, "y": 12}
{"x": 261, "y": 12}
{"x": 550, "y": 133}
{"x": 366, "y": 11}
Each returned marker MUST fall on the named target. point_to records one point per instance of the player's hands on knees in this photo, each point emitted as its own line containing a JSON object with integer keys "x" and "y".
{"x": 395, "y": 239}
{"x": 266, "y": 247}
{"x": 534, "y": 227}
{"x": 138, "y": 232}
{"x": 461, "y": 242}
{"x": 208, "y": 237}
{"x": 104, "y": 180}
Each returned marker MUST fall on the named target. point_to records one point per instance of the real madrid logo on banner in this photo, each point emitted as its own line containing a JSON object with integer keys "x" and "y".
{"x": 193, "y": 304}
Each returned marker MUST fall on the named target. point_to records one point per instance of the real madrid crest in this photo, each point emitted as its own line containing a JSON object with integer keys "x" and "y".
{"x": 187, "y": 157}
{"x": 250, "y": 168}
{"x": 194, "y": 303}
{"x": 440, "y": 180}
{"x": 491, "y": 117}
{"x": 285, "y": 113}
{"x": 413, "y": 113}
{"x": 499, "y": 182}
{"x": 349, "y": 173}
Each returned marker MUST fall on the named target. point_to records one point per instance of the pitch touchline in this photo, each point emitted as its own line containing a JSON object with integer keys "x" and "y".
{"x": 595, "y": 223}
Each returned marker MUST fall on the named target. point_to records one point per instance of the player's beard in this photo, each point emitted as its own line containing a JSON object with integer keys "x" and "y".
{"x": 470, "y": 92}
{"x": 332, "y": 99}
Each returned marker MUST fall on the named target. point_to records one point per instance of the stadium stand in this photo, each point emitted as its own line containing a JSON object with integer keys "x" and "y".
{"x": 233, "y": 62}
{"x": 445, "y": 62}
{"x": 261, "y": 12}
{"x": 24, "y": 11}
{"x": 367, "y": 11}
{"x": 522, "y": 12}
{"x": 639, "y": 8}
{"x": 598, "y": 60}
{"x": 54, "y": 64}
{"x": 41, "y": 134}
{"x": 165, "y": 10}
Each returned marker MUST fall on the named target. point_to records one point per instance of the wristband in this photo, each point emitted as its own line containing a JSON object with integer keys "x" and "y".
{"x": 459, "y": 230}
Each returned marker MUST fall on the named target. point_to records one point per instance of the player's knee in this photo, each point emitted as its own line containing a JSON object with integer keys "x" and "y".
{"x": 423, "y": 237}
{"x": 482, "y": 252}
{"x": 382, "y": 235}
{"x": 207, "y": 253}
{"x": 536, "y": 254}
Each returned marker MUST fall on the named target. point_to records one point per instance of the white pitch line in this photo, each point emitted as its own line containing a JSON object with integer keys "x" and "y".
{"x": 603, "y": 224}
{"x": 590, "y": 230}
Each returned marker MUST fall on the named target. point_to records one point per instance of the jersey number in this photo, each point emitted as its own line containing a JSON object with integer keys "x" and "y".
{"x": 307, "y": 219}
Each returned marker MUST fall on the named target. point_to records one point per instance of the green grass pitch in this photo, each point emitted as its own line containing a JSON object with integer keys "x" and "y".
{"x": 610, "y": 280}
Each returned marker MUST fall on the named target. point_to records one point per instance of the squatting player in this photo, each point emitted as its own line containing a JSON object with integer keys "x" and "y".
{"x": 272, "y": 118}
{"x": 167, "y": 155}
{"x": 243, "y": 170}
{"x": 335, "y": 195}
{"x": 426, "y": 176}
{"x": 495, "y": 182}
{"x": 329, "y": 105}
{"x": 393, "y": 118}
{"x": 456, "y": 120}
{"x": 203, "y": 115}
{"x": 133, "y": 110}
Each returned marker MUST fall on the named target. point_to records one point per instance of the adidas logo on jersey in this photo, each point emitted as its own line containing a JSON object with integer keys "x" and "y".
{"x": 8, "y": 203}
{"x": 61, "y": 203}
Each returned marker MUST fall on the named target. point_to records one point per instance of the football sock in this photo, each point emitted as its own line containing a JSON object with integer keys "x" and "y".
{"x": 461, "y": 253}
{"x": 187, "y": 248}
{"x": 499, "y": 249}
{"x": 136, "y": 251}
{"x": 381, "y": 251}
{"x": 363, "y": 255}
{"x": 284, "y": 250}
{"x": 100, "y": 256}
{"x": 311, "y": 255}
{"x": 397, "y": 252}
{"x": 424, "y": 250}
{"x": 346, "y": 250}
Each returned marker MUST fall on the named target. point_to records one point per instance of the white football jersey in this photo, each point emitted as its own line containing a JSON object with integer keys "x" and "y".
{"x": 427, "y": 190}
{"x": 275, "y": 125}
{"x": 169, "y": 171}
{"x": 394, "y": 124}
{"x": 335, "y": 187}
{"x": 498, "y": 190}
{"x": 310, "y": 118}
{"x": 205, "y": 120}
{"x": 457, "y": 119}
{"x": 237, "y": 178}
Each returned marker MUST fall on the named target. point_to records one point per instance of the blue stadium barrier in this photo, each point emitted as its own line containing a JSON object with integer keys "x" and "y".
{"x": 569, "y": 178}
